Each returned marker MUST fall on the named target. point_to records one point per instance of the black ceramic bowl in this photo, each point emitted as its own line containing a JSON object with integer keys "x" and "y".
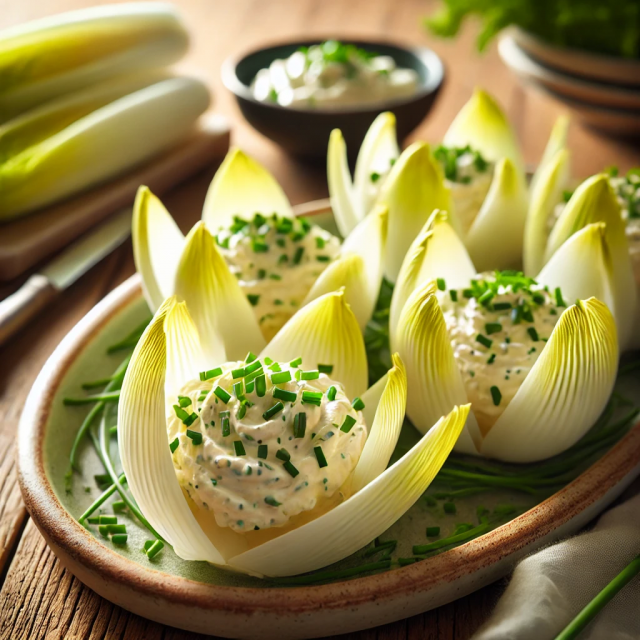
{"x": 306, "y": 131}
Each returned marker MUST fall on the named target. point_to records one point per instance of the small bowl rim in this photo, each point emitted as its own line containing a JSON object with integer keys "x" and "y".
{"x": 431, "y": 61}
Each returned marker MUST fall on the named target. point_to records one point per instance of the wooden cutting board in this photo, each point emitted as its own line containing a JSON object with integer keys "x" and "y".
{"x": 29, "y": 240}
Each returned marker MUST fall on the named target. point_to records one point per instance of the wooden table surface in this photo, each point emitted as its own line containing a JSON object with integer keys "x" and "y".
{"x": 39, "y": 599}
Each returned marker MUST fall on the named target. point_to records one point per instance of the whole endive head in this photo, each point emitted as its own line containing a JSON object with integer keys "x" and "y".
{"x": 275, "y": 463}
{"x": 537, "y": 370}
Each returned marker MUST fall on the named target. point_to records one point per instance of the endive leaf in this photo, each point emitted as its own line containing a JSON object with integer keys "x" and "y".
{"x": 385, "y": 427}
{"x": 367, "y": 514}
{"x": 242, "y": 187}
{"x": 414, "y": 189}
{"x": 565, "y": 391}
{"x": 54, "y": 56}
{"x": 225, "y": 320}
{"x": 496, "y": 235}
{"x": 100, "y": 145}
{"x": 437, "y": 252}
{"x": 341, "y": 189}
{"x": 378, "y": 152}
{"x": 595, "y": 201}
{"x": 434, "y": 381}
{"x": 545, "y": 196}
{"x": 557, "y": 142}
{"x": 144, "y": 447}
{"x": 325, "y": 332}
{"x": 359, "y": 269}
{"x": 482, "y": 124}
{"x": 157, "y": 246}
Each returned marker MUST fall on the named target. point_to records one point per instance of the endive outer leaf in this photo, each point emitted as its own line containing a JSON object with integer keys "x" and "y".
{"x": 437, "y": 252}
{"x": 359, "y": 269}
{"x": 557, "y": 142}
{"x": 157, "y": 246}
{"x": 325, "y": 332}
{"x": 565, "y": 391}
{"x": 595, "y": 201}
{"x": 98, "y": 146}
{"x": 54, "y": 56}
{"x": 546, "y": 194}
{"x": 242, "y": 187}
{"x": 341, "y": 189}
{"x": 434, "y": 381}
{"x": 226, "y": 323}
{"x": 144, "y": 447}
{"x": 385, "y": 428}
{"x": 482, "y": 124}
{"x": 367, "y": 514}
{"x": 413, "y": 190}
{"x": 378, "y": 151}
{"x": 496, "y": 235}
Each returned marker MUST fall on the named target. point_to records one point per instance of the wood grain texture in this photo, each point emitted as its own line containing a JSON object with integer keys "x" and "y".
{"x": 38, "y": 598}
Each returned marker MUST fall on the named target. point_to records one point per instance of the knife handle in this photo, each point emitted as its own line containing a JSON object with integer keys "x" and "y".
{"x": 18, "y": 308}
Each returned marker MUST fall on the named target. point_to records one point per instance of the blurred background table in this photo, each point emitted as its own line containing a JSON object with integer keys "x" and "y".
{"x": 38, "y": 598}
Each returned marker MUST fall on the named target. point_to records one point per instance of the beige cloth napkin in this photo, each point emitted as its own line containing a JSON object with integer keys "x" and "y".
{"x": 549, "y": 588}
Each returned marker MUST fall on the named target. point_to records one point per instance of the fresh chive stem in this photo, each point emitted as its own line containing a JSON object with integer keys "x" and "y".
{"x": 111, "y": 396}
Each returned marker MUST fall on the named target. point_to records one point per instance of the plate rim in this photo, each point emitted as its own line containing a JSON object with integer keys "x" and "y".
{"x": 65, "y": 534}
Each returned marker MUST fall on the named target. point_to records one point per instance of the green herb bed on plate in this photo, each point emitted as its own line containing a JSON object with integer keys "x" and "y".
{"x": 469, "y": 497}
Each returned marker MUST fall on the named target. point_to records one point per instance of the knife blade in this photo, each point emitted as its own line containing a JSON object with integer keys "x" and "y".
{"x": 41, "y": 288}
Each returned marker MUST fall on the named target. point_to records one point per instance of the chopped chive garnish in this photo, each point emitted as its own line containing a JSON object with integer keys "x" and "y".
{"x": 491, "y": 358}
{"x": 104, "y": 530}
{"x": 108, "y": 520}
{"x": 501, "y": 306}
{"x": 483, "y": 340}
{"x": 496, "y": 395}
{"x": 559, "y": 299}
{"x": 184, "y": 401}
{"x": 279, "y": 378}
{"x": 224, "y": 423}
{"x": 214, "y": 482}
{"x": 272, "y": 502}
{"x": 174, "y": 445}
{"x": 212, "y": 373}
{"x": 299, "y": 424}
{"x": 222, "y": 394}
{"x": 296, "y": 363}
{"x": 441, "y": 284}
{"x": 290, "y": 469}
{"x": 238, "y": 447}
{"x": 374, "y": 176}
{"x": 119, "y": 538}
{"x": 320, "y": 242}
{"x": 348, "y": 423}
{"x": 283, "y": 454}
{"x": 263, "y": 451}
{"x": 249, "y": 386}
{"x": 486, "y": 297}
{"x": 275, "y": 366}
{"x": 325, "y": 368}
{"x": 186, "y": 418}
{"x": 533, "y": 334}
{"x": 322, "y": 461}
{"x": 250, "y": 368}
{"x": 147, "y": 545}
{"x": 259, "y": 246}
{"x": 357, "y": 404}
{"x": 242, "y": 411}
{"x": 449, "y": 507}
{"x": 253, "y": 298}
{"x": 250, "y": 357}
{"x": 282, "y": 394}
{"x": 237, "y": 373}
{"x": 310, "y": 375}
{"x": 261, "y": 385}
{"x": 492, "y": 327}
{"x": 331, "y": 393}
{"x": 432, "y": 532}
{"x": 312, "y": 397}
{"x": 275, "y": 276}
{"x": 298, "y": 255}
{"x": 258, "y": 371}
{"x": 453, "y": 294}
{"x": 117, "y": 528}
{"x": 268, "y": 360}
{"x": 155, "y": 549}
{"x": 195, "y": 436}
{"x": 93, "y": 519}
{"x": 119, "y": 506}
{"x": 272, "y": 411}
{"x": 238, "y": 390}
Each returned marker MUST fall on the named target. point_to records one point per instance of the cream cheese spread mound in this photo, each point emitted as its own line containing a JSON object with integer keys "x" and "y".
{"x": 257, "y": 443}
{"x": 498, "y": 328}
{"x": 469, "y": 177}
{"x": 276, "y": 260}
{"x": 332, "y": 75}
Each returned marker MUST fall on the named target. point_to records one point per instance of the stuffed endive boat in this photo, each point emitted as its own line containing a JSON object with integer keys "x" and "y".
{"x": 537, "y": 369}
{"x": 277, "y": 259}
{"x": 273, "y": 463}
